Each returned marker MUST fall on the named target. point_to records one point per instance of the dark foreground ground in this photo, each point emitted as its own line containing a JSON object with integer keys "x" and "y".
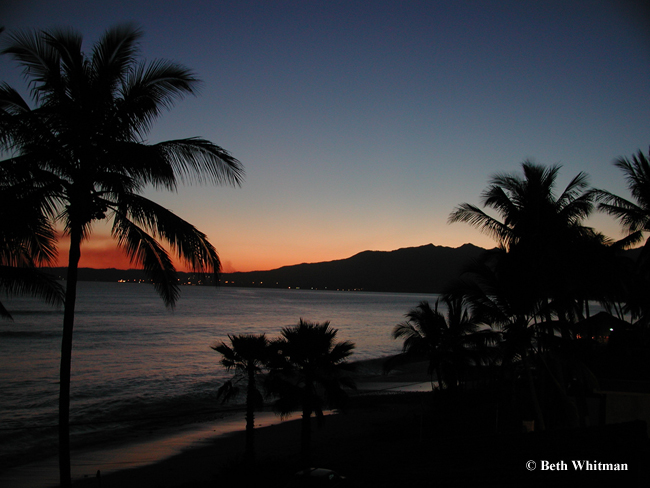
{"x": 409, "y": 440}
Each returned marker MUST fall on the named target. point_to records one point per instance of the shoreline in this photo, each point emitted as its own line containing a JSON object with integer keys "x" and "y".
{"x": 401, "y": 439}
{"x": 144, "y": 450}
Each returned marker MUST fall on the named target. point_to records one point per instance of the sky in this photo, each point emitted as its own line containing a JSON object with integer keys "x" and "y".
{"x": 362, "y": 124}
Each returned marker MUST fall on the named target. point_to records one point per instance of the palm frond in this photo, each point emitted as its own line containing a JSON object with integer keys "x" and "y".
{"x": 39, "y": 59}
{"x": 67, "y": 44}
{"x": 476, "y": 217}
{"x": 115, "y": 53}
{"x": 227, "y": 392}
{"x": 144, "y": 250}
{"x": 191, "y": 245}
{"x": 18, "y": 281}
{"x": 574, "y": 190}
{"x": 150, "y": 88}
{"x": 11, "y": 102}
{"x": 196, "y": 158}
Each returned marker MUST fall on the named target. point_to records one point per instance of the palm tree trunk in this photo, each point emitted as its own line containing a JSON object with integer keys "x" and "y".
{"x": 305, "y": 435}
{"x": 539, "y": 417}
{"x": 249, "y": 452}
{"x": 65, "y": 476}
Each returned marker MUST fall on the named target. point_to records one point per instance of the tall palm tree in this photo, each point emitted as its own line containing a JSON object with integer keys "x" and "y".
{"x": 543, "y": 234}
{"x": 449, "y": 342}
{"x": 247, "y": 354}
{"x": 541, "y": 268}
{"x": 309, "y": 373}
{"x": 83, "y": 146}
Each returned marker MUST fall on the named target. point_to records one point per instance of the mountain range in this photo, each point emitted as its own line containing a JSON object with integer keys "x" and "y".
{"x": 423, "y": 269}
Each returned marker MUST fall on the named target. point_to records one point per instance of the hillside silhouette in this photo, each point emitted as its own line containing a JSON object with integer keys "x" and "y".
{"x": 423, "y": 269}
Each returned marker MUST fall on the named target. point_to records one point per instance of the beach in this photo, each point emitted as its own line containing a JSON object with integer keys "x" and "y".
{"x": 391, "y": 436}
{"x": 193, "y": 452}
{"x": 381, "y": 402}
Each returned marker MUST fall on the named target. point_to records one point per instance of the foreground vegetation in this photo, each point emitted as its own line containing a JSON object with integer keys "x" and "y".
{"x": 520, "y": 317}
{"x": 306, "y": 370}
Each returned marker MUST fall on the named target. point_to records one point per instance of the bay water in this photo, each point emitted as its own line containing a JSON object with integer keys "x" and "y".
{"x": 138, "y": 365}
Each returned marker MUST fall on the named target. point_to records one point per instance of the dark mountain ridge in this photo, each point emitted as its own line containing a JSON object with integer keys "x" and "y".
{"x": 423, "y": 269}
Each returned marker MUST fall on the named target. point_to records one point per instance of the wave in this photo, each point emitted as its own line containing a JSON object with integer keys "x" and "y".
{"x": 112, "y": 421}
{"x": 39, "y": 313}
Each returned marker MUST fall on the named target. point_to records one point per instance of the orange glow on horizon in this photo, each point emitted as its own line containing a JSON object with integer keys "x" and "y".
{"x": 100, "y": 251}
{"x": 239, "y": 254}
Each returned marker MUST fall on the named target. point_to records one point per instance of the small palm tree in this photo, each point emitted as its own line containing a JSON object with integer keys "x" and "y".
{"x": 84, "y": 148}
{"x": 309, "y": 372}
{"x": 247, "y": 354}
{"x": 448, "y": 342}
{"x": 498, "y": 302}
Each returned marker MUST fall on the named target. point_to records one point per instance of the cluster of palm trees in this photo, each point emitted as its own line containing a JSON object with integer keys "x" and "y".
{"x": 305, "y": 369}
{"x": 525, "y": 306}
{"x": 78, "y": 155}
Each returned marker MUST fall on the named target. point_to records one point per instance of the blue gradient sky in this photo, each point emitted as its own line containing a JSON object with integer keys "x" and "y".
{"x": 361, "y": 125}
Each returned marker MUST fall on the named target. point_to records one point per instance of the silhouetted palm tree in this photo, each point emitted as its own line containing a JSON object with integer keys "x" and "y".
{"x": 498, "y": 301}
{"x": 543, "y": 234}
{"x": 84, "y": 146}
{"x": 635, "y": 219}
{"x": 529, "y": 208}
{"x": 449, "y": 342}
{"x": 309, "y": 373}
{"x": 247, "y": 354}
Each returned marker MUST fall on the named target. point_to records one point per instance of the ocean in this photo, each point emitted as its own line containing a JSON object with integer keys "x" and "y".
{"x": 137, "y": 365}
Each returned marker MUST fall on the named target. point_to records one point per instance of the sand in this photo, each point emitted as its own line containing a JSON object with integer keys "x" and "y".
{"x": 393, "y": 438}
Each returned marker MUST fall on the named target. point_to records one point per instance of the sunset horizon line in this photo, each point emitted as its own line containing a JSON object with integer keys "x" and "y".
{"x": 122, "y": 258}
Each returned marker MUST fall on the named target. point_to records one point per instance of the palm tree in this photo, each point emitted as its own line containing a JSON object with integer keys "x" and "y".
{"x": 541, "y": 267}
{"x": 247, "y": 354}
{"x": 309, "y": 372}
{"x": 498, "y": 302}
{"x": 529, "y": 208}
{"x": 83, "y": 146}
{"x": 635, "y": 219}
{"x": 449, "y": 342}
{"x": 542, "y": 233}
